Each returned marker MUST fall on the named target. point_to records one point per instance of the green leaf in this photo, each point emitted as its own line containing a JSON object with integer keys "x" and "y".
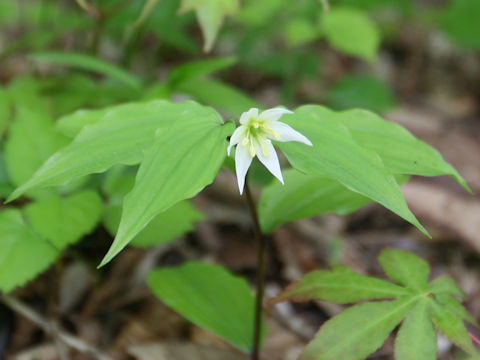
{"x": 400, "y": 151}
{"x": 4, "y": 111}
{"x": 89, "y": 63}
{"x": 31, "y": 141}
{"x": 258, "y": 13}
{"x": 460, "y": 21}
{"x": 337, "y": 155}
{"x": 210, "y": 297}
{"x": 210, "y": 15}
{"x": 445, "y": 285}
{"x": 304, "y": 196}
{"x": 450, "y": 324}
{"x": 147, "y": 8}
{"x": 357, "y": 331}
{"x": 23, "y": 253}
{"x": 405, "y": 268}
{"x": 416, "y": 339}
{"x": 300, "y": 31}
{"x": 341, "y": 285}
{"x": 453, "y": 305}
{"x": 119, "y": 137}
{"x": 352, "y": 32}
{"x": 64, "y": 221}
{"x": 196, "y": 69}
{"x": 183, "y": 160}
{"x": 70, "y": 125}
{"x": 361, "y": 91}
{"x": 219, "y": 95}
{"x": 165, "y": 227}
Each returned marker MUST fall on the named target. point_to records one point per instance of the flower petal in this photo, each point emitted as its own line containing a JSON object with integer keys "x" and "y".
{"x": 235, "y": 138}
{"x": 242, "y": 163}
{"x": 271, "y": 161}
{"x": 286, "y": 133}
{"x": 246, "y": 116}
{"x": 272, "y": 115}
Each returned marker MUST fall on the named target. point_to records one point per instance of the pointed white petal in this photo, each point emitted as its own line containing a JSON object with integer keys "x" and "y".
{"x": 253, "y": 112}
{"x": 272, "y": 115}
{"x": 271, "y": 161}
{"x": 235, "y": 138}
{"x": 286, "y": 133}
{"x": 242, "y": 163}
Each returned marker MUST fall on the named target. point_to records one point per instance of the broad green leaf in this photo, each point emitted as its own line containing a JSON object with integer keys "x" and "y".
{"x": 257, "y": 13}
{"x": 337, "y": 155}
{"x": 24, "y": 92}
{"x": 119, "y": 137}
{"x": 352, "y": 32}
{"x": 4, "y": 111}
{"x": 445, "y": 285}
{"x": 400, "y": 151}
{"x": 23, "y": 253}
{"x": 357, "y": 331}
{"x": 460, "y": 21}
{"x": 210, "y": 15}
{"x": 89, "y": 63}
{"x": 219, "y": 95}
{"x": 453, "y": 305}
{"x": 165, "y": 227}
{"x": 210, "y": 297}
{"x": 300, "y": 31}
{"x": 304, "y": 196}
{"x": 450, "y": 324}
{"x": 405, "y": 268}
{"x": 196, "y": 69}
{"x": 361, "y": 91}
{"x": 416, "y": 339}
{"x": 71, "y": 124}
{"x": 31, "y": 141}
{"x": 340, "y": 285}
{"x": 183, "y": 160}
{"x": 63, "y": 221}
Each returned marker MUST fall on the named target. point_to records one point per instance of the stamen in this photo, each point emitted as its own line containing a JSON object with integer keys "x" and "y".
{"x": 251, "y": 150}
{"x": 245, "y": 141}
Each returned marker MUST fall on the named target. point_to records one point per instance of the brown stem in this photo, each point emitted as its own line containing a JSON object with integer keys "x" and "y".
{"x": 261, "y": 242}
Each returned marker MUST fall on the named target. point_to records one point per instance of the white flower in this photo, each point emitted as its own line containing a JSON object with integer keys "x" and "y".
{"x": 253, "y": 138}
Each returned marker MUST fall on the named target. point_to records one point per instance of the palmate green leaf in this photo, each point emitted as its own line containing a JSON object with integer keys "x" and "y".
{"x": 450, "y": 324}
{"x": 63, "y": 221}
{"x": 453, "y": 305}
{"x": 210, "y": 15}
{"x": 210, "y": 297}
{"x": 341, "y": 285}
{"x": 405, "y": 268}
{"x": 89, "y": 63}
{"x": 196, "y": 69}
{"x": 118, "y": 137}
{"x": 23, "y": 252}
{"x": 31, "y": 141}
{"x": 352, "y": 32}
{"x": 218, "y": 94}
{"x": 357, "y": 331}
{"x": 183, "y": 160}
{"x": 304, "y": 196}
{"x": 165, "y": 227}
{"x": 337, "y": 155}
{"x": 416, "y": 339}
{"x": 445, "y": 285}
{"x": 400, "y": 151}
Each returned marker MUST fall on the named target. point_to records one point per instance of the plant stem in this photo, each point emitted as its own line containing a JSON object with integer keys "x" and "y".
{"x": 261, "y": 242}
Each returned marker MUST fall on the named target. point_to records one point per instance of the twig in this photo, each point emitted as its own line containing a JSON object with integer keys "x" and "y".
{"x": 51, "y": 329}
{"x": 261, "y": 242}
